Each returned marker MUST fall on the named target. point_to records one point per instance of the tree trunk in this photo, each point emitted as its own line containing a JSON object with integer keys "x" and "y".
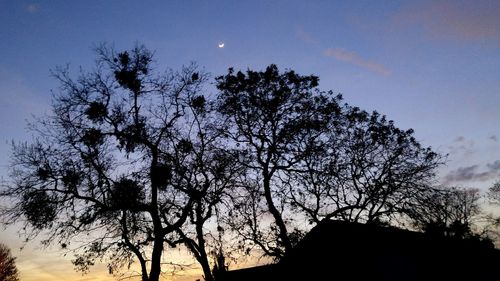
{"x": 283, "y": 233}
{"x": 154, "y": 274}
{"x": 155, "y": 271}
{"x": 207, "y": 272}
{"x": 203, "y": 258}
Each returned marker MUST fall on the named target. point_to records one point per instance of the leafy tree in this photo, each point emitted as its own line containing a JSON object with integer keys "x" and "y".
{"x": 367, "y": 170}
{"x": 8, "y": 269}
{"x": 269, "y": 114}
{"x": 309, "y": 156}
{"x": 124, "y": 162}
{"x": 135, "y": 161}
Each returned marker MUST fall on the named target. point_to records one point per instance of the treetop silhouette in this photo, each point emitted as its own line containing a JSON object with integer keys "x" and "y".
{"x": 136, "y": 161}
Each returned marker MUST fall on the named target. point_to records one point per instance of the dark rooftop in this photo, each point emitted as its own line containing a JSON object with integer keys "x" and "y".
{"x": 335, "y": 250}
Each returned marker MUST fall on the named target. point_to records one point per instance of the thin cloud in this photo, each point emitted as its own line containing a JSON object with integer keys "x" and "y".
{"x": 462, "y": 146}
{"x": 495, "y": 166}
{"x": 463, "y": 174}
{"x": 353, "y": 58}
{"x": 473, "y": 173}
{"x": 305, "y": 36}
{"x": 33, "y": 8}
{"x": 459, "y": 20}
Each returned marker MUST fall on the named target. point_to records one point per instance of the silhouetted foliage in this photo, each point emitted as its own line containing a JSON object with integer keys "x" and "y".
{"x": 8, "y": 269}
{"x": 39, "y": 209}
{"x": 447, "y": 212}
{"x": 273, "y": 120}
{"x": 128, "y": 157}
{"x": 152, "y": 162}
{"x": 126, "y": 194}
{"x": 494, "y": 193}
{"x": 492, "y": 229}
{"x": 308, "y": 155}
{"x": 206, "y": 171}
{"x": 368, "y": 170}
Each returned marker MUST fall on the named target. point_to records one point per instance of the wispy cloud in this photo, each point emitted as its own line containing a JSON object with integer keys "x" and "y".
{"x": 473, "y": 173}
{"x": 305, "y": 36}
{"x": 33, "y": 8}
{"x": 353, "y": 58}
{"x": 495, "y": 166}
{"x": 462, "y": 146}
{"x": 459, "y": 20}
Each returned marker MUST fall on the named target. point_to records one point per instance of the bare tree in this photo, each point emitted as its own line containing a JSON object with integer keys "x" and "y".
{"x": 494, "y": 193}
{"x": 8, "y": 269}
{"x": 209, "y": 172}
{"x": 113, "y": 164}
{"x": 492, "y": 228}
{"x": 447, "y": 211}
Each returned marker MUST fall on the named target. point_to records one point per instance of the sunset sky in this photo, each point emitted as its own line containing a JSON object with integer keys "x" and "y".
{"x": 433, "y": 66}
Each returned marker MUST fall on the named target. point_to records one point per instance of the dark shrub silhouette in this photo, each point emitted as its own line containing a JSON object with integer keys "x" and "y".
{"x": 8, "y": 269}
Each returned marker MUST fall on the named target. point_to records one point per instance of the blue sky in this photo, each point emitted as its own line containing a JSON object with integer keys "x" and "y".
{"x": 429, "y": 65}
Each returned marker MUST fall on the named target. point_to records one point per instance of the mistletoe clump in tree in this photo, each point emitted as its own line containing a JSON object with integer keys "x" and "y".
{"x": 126, "y": 159}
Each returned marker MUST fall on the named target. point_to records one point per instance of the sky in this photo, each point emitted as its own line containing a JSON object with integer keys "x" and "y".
{"x": 433, "y": 66}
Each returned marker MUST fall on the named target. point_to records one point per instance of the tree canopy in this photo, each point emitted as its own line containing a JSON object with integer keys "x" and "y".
{"x": 135, "y": 161}
{"x": 125, "y": 158}
{"x": 309, "y": 155}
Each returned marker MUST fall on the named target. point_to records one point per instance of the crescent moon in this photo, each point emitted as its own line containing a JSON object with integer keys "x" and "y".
{"x": 221, "y": 45}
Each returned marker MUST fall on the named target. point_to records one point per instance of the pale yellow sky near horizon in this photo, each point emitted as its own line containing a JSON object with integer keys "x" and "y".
{"x": 38, "y": 263}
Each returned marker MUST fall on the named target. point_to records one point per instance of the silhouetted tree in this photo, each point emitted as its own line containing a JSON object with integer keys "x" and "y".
{"x": 220, "y": 266}
{"x": 273, "y": 119}
{"x": 368, "y": 170}
{"x": 494, "y": 193}
{"x": 310, "y": 156}
{"x": 126, "y": 158}
{"x": 492, "y": 229}
{"x": 207, "y": 171}
{"x": 139, "y": 161}
{"x": 447, "y": 211}
{"x": 8, "y": 269}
